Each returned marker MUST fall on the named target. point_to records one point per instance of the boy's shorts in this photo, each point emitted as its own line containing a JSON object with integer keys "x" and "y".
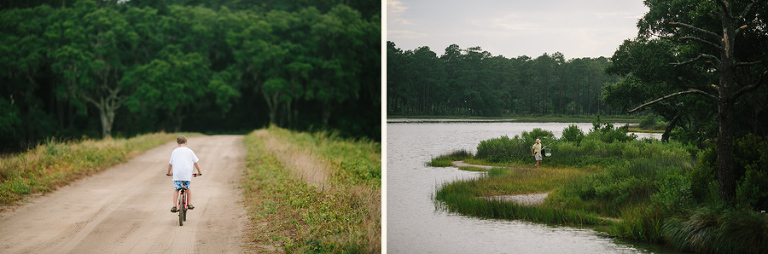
{"x": 177, "y": 184}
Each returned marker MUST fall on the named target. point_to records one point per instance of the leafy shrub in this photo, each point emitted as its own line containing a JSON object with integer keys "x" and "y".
{"x": 502, "y": 149}
{"x": 674, "y": 190}
{"x": 750, "y": 171}
{"x": 608, "y": 134}
{"x": 572, "y": 134}
{"x": 537, "y": 133}
{"x": 752, "y": 192}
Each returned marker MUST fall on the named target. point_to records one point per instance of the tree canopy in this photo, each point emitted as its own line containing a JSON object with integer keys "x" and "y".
{"x": 105, "y": 68}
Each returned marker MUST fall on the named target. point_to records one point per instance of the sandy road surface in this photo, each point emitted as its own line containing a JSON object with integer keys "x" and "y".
{"x": 126, "y": 209}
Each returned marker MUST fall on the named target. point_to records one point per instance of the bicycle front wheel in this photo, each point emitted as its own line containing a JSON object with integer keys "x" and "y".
{"x": 182, "y": 201}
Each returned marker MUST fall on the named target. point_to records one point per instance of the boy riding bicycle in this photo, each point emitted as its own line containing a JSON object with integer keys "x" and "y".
{"x": 183, "y": 162}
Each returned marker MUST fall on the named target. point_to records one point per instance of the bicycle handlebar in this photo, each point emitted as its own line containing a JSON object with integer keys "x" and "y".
{"x": 195, "y": 175}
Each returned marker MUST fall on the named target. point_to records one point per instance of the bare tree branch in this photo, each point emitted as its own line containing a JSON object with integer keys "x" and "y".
{"x": 701, "y": 40}
{"x": 748, "y": 63}
{"x": 714, "y": 35}
{"x": 752, "y": 87}
{"x": 715, "y": 64}
{"x": 673, "y": 95}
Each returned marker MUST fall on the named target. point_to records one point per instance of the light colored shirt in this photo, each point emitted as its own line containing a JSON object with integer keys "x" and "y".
{"x": 537, "y": 148}
{"x": 183, "y": 162}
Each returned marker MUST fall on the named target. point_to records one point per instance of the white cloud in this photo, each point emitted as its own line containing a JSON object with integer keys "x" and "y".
{"x": 403, "y": 34}
{"x": 395, "y": 12}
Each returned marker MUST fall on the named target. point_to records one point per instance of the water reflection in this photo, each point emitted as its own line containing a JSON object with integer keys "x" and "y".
{"x": 414, "y": 225}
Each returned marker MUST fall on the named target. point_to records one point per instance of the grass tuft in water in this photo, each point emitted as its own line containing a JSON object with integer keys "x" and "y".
{"x": 446, "y": 160}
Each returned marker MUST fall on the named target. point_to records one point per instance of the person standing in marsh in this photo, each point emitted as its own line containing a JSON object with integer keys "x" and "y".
{"x": 183, "y": 162}
{"x": 536, "y": 152}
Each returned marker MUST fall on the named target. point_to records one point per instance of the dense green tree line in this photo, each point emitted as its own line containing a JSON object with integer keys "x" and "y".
{"x": 474, "y": 82}
{"x": 105, "y": 68}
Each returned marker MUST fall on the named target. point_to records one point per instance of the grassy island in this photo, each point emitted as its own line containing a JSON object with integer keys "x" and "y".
{"x": 642, "y": 190}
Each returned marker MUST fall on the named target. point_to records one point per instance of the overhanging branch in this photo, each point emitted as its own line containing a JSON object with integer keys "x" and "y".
{"x": 714, "y": 35}
{"x": 701, "y": 40}
{"x": 748, "y": 63}
{"x": 673, "y": 95}
{"x": 715, "y": 62}
{"x": 752, "y": 87}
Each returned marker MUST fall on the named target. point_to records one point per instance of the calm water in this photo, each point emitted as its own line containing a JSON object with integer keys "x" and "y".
{"x": 414, "y": 225}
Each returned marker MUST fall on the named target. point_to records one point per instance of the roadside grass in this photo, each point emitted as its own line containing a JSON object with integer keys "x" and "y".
{"x": 56, "y": 163}
{"x": 335, "y": 211}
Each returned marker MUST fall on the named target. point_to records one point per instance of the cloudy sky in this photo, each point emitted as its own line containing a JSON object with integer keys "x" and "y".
{"x": 576, "y": 28}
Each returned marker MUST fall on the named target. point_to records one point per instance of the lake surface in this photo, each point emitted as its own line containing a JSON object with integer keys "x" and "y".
{"x": 414, "y": 225}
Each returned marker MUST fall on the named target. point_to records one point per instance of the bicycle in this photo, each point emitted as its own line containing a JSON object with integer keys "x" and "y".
{"x": 182, "y": 202}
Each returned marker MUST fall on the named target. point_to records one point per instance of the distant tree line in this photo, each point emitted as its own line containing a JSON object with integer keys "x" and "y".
{"x": 106, "y": 68}
{"x": 474, "y": 82}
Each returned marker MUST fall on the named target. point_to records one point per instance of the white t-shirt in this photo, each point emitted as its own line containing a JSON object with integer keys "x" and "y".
{"x": 183, "y": 161}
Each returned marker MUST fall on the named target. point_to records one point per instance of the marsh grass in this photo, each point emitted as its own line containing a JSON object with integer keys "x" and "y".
{"x": 446, "y": 160}
{"x": 56, "y": 163}
{"x": 465, "y": 196}
{"x": 297, "y": 215}
{"x": 719, "y": 230}
{"x": 474, "y": 169}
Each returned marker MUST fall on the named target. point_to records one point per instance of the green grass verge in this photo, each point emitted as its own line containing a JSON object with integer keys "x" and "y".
{"x": 340, "y": 213}
{"x": 56, "y": 163}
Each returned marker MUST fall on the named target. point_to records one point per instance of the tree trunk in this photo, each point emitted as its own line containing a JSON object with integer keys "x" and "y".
{"x": 725, "y": 174}
{"x": 272, "y": 105}
{"x": 670, "y": 126}
{"x": 107, "y": 116}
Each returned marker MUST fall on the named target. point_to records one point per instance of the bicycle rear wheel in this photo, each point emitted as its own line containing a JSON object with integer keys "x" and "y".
{"x": 182, "y": 201}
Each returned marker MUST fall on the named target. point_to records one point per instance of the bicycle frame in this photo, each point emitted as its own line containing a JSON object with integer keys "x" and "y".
{"x": 182, "y": 203}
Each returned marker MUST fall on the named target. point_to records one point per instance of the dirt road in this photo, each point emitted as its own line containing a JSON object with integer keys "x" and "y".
{"x": 126, "y": 209}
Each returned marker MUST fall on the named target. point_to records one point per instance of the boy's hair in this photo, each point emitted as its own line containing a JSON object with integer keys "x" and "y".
{"x": 181, "y": 139}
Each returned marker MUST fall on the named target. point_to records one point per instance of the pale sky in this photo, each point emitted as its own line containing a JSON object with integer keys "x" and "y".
{"x": 576, "y": 28}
